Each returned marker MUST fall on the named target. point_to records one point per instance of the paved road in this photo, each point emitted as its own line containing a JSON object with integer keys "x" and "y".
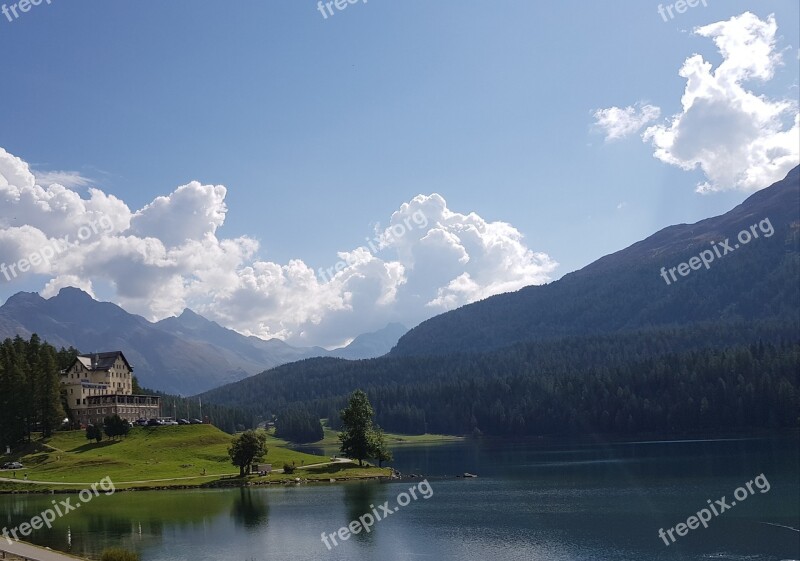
{"x": 28, "y": 551}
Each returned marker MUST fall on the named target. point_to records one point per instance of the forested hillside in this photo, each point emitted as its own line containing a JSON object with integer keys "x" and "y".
{"x": 625, "y": 290}
{"x": 711, "y": 377}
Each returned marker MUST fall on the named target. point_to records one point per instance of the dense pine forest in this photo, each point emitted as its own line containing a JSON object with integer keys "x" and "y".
{"x": 709, "y": 378}
{"x": 30, "y": 388}
{"x": 299, "y": 424}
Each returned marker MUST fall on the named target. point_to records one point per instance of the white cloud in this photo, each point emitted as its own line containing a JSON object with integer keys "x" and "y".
{"x": 617, "y": 123}
{"x": 70, "y": 179}
{"x": 739, "y": 139}
{"x": 190, "y": 213}
{"x": 167, "y": 256}
{"x": 53, "y": 287}
{"x": 55, "y": 210}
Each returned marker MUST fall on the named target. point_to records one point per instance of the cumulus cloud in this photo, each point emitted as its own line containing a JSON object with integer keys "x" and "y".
{"x": 617, "y": 123}
{"x": 190, "y": 213}
{"x": 739, "y": 139}
{"x": 167, "y": 256}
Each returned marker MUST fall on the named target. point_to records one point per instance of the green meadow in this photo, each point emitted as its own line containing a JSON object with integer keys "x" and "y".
{"x": 172, "y": 456}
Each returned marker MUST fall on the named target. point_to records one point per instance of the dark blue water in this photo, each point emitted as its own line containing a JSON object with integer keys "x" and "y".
{"x": 533, "y": 500}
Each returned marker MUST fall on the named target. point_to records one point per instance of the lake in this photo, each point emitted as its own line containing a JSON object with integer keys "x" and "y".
{"x": 533, "y": 500}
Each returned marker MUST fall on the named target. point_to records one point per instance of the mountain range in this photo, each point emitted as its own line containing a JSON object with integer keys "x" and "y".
{"x": 183, "y": 355}
{"x": 751, "y": 277}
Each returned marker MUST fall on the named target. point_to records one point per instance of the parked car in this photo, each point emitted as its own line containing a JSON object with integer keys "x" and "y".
{"x": 197, "y": 422}
{"x": 12, "y": 465}
{"x": 140, "y": 422}
{"x": 183, "y": 422}
{"x": 170, "y": 422}
{"x": 154, "y": 423}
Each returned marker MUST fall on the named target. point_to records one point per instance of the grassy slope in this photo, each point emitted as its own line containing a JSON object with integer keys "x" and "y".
{"x": 147, "y": 454}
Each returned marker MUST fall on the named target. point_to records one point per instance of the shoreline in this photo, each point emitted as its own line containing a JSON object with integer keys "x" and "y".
{"x": 243, "y": 484}
{"x": 39, "y": 488}
{"x": 31, "y": 552}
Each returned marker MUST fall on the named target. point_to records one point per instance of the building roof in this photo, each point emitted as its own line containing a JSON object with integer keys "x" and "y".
{"x": 101, "y": 362}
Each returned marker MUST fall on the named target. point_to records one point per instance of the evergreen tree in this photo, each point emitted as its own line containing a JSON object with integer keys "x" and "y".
{"x": 379, "y": 450}
{"x": 12, "y": 383}
{"x": 48, "y": 391}
{"x": 356, "y": 438}
{"x": 115, "y": 427}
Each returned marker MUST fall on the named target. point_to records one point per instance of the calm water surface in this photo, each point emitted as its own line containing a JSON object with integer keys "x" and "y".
{"x": 532, "y": 501}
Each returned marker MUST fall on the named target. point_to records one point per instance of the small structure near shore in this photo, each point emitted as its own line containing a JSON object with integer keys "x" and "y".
{"x": 261, "y": 469}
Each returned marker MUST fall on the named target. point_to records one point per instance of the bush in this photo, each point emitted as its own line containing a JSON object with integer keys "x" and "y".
{"x": 116, "y": 554}
{"x": 288, "y": 469}
{"x": 116, "y": 426}
{"x": 93, "y": 432}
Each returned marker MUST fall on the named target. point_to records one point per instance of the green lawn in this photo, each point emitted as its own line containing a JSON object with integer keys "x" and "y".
{"x": 146, "y": 454}
{"x": 331, "y": 438}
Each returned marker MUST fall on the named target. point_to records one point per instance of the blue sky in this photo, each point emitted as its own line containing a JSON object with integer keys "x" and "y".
{"x": 322, "y": 128}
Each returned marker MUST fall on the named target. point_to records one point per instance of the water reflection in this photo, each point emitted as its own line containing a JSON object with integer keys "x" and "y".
{"x": 533, "y": 501}
{"x": 250, "y": 508}
{"x": 124, "y": 519}
{"x": 360, "y": 500}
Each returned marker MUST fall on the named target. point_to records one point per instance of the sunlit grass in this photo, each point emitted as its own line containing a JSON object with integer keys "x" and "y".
{"x": 147, "y": 454}
{"x": 331, "y": 438}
